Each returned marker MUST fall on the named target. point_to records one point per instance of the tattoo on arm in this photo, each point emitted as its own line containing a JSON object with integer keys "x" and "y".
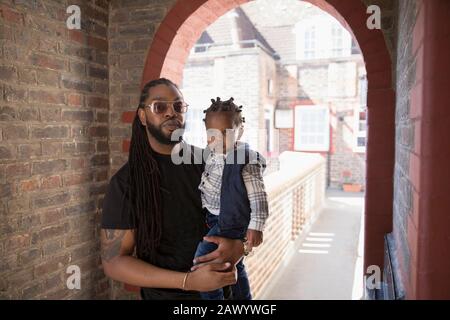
{"x": 111, "y": 244}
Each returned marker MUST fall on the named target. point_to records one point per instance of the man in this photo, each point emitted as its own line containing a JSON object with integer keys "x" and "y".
{"x": 153, "y": 208}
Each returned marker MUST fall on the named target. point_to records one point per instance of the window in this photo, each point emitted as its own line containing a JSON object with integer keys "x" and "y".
{"x": 310, "y": 43}
{"x": 337, "y": 49}
{"x": 322, "y": 37}
{"x": 361, "y": 118}
{"x": 199, "y": 48}
{"x": 312, "y": 128}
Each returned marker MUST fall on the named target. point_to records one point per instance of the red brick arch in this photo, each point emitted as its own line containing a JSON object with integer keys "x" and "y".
{"x": 184, "y": 24}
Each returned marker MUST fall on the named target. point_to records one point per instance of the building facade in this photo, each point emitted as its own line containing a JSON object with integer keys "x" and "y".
{"x": 302, "y": 84}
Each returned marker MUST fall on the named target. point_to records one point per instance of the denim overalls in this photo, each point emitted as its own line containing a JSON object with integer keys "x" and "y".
{"x": 233, "y": 220}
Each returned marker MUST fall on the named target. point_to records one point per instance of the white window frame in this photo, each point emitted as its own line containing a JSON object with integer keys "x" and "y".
{"x": 323, "y": 38}
{"x": 358, "y": 134}
{"x": 337, "y": 41}
{"x": 343, "y": 43}
{"x": 299, "y": 112}
{"x": 309, "y": 45}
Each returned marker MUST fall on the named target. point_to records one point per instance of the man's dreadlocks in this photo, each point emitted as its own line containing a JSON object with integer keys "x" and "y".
{"x": 145, "y": 195}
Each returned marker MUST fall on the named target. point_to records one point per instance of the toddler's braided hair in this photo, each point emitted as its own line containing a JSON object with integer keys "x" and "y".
{"x": 227, "y": 105}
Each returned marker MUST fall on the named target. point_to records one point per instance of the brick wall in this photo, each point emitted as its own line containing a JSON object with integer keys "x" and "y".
{"x": 132, "y": 25}
{"x": 420, "y": 236}
{"x": 54, "y": 155}
{"x": 346, "y": 165}
{"x": 406, "y": 68}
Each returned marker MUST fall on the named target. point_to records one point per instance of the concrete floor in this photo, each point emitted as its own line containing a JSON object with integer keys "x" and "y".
{"x": 326, "y": 261}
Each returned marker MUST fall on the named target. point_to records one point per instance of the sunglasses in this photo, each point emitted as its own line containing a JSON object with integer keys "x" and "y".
{"x": 160, "y": 107}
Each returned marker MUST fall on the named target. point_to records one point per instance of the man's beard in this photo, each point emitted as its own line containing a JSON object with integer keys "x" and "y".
{"x": 157, "y": 133}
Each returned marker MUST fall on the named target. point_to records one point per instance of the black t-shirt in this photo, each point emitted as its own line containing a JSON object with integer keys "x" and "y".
{"x": 183, "y": 219}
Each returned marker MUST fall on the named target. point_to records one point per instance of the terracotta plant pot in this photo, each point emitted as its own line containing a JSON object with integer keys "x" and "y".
{"x": 349, "y": 187}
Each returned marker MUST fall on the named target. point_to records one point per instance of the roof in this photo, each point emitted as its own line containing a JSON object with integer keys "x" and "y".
{"x": 282, "y": 39}
{"x": 221, "y": 31}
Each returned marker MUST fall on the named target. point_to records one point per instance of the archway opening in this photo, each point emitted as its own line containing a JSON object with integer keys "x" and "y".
{"x": 185, "y": 23}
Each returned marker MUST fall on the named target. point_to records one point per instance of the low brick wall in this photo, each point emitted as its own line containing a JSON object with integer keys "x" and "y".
{"x": 296, "y": 194}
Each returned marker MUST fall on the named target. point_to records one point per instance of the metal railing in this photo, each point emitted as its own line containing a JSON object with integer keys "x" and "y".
{"x": 243, "y": 44}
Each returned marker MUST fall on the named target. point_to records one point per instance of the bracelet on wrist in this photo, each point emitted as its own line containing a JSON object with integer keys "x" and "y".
{"x": 184, "y": 280}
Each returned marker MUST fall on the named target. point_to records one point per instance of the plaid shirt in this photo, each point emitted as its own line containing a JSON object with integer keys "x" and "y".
{"x": 252, "y": 174}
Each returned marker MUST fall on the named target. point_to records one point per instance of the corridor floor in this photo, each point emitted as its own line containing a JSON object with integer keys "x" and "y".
{"x": 324, "y": 260}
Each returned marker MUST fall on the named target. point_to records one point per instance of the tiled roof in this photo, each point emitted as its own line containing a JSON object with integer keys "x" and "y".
{"x": 221, "y": 30}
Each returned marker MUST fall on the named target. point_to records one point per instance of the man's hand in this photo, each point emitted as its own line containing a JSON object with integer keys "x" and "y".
{"x": 254, "y": 238}
{"x": 212, "y": 277}
{"x": 229, "y": 250}
{"x": 117, "y": 247}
